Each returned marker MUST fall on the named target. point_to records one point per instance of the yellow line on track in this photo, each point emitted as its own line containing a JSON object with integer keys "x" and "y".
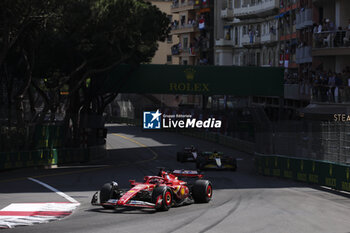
{"x": 141, "y": 145}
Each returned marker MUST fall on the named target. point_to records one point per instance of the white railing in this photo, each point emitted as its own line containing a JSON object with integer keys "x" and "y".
{"x": 227, "y": 13}
{"x": 264, "y": 5}
{"x": 185, "y": 26}
{"x": 268, "y": 38}
{"x": 245, "y": 39}
{"x": 304, "y": 19}
{"x": 184, "y": 4}
{"x": 223, "y": 42}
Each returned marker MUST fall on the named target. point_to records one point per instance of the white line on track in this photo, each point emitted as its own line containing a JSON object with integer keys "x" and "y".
{"x": 87, "y": 166}
{"x": 70, "y": 199}
{"x": 24, "y": 214}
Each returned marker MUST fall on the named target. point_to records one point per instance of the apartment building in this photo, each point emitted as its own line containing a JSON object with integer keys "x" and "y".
{"x": 163, "y": 54}
{"x": 194, "y": 29}
{"x": 248, "y": 34}
{"x": 287, "y": 34}
{"x": 331, "y": 40}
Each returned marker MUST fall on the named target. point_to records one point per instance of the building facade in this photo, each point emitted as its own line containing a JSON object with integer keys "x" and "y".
{"x": 163, "y": 54}
{"x": 248, "y": 33}
{"x": 194, "y": 29}
{"x": 331, "y": 40}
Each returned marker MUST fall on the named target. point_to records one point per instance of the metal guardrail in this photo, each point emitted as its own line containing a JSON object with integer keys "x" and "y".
{"x": 332, "y": 39}
{"x": 334, "y": 175}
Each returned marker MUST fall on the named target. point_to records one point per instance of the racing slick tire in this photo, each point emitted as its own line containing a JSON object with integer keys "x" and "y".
{"x": 202, "y": 191}
{"x": 180, "y": 157}
{"x": 166, "y": 195}
{"x": 106, "y": 193}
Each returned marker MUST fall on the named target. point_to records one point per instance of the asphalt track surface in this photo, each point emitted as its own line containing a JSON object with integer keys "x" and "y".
{"x": 242, "y": 201}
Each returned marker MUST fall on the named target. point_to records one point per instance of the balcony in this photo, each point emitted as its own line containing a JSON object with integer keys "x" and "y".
{"x": 176, "y": 50}
{"x": 255, "y": 43}
{"x": 186, "y": 28}
{"x": 304, "y": 19}
{"x": 261, "y": 9}
{"x": 183, "y": 6}
{"x": 303, "y": 55}
{"x": 269, "y": 38}
{"x": 297, "y": 91}
{"x": 227, "y": 13}
{"x": 328, "y": 43}
{"x": 320, "y": 94}
{"x": 223, "y": 43}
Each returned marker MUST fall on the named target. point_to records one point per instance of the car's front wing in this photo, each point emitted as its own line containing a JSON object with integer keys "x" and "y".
{"x": 131, "y": 203}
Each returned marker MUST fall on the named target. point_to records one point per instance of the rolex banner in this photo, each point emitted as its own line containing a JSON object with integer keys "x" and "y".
{"x": 204, "y": 80}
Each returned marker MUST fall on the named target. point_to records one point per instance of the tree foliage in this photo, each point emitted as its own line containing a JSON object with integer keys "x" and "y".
{"x": 48, "y": 44}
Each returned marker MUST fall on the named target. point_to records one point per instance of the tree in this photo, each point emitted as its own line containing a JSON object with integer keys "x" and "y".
{"x": 70, "y": 42}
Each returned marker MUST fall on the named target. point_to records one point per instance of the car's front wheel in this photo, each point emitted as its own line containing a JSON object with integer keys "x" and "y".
{"x": 108, "y": 191}
{"x": 162, "y": 197}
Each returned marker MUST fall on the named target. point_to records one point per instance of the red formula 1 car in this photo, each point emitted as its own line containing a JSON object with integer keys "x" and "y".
{"x": 157, "y": 192}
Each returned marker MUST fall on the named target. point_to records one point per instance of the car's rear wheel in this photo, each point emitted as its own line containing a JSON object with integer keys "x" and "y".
{"x": 202, "y": 191}
{"x": 108, "y": 191}
{"x": 162, "y": 197}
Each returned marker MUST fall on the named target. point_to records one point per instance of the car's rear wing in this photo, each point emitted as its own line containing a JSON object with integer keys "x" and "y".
{"x": 187, "y": 173}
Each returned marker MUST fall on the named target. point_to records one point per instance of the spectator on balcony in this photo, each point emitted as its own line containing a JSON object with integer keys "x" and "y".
{"x": 331, "y": 84}
{"x": 272, "y": 30}
{"x": 346, "y": 85}
{"x": 251, "y": 36}
{"x": 227, "y": 37}
{"x": 323, "y": 87}
{"x": 338, "y": 86}
{"x": 339, "y": 37}
{"x": 201, "y": 23}
{"x": 182, "y": 21}
{"x": 174, "y": 24}
{"x": 331, "y": 26}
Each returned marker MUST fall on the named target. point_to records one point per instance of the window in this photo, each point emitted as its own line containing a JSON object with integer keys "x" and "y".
{"x": 185, "y": 62}
{"x": 170, "y": 38}
{"x": 244, "y": 30}
{"x": 169, "y": 58}
{"x": 185, "y": 43}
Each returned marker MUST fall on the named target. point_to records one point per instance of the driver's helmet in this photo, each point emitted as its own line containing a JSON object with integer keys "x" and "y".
{"x": 215, "y": 154}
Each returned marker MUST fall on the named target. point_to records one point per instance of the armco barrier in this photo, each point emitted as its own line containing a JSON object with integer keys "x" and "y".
{"x": 48, "y": 157}
{"x": 336, "y": 176}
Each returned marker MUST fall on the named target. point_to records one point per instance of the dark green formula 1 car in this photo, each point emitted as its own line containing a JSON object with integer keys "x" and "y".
{"x": 215, "y": 160}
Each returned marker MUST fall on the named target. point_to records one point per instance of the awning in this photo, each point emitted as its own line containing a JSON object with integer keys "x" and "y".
{"x": 204, "y": 10}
